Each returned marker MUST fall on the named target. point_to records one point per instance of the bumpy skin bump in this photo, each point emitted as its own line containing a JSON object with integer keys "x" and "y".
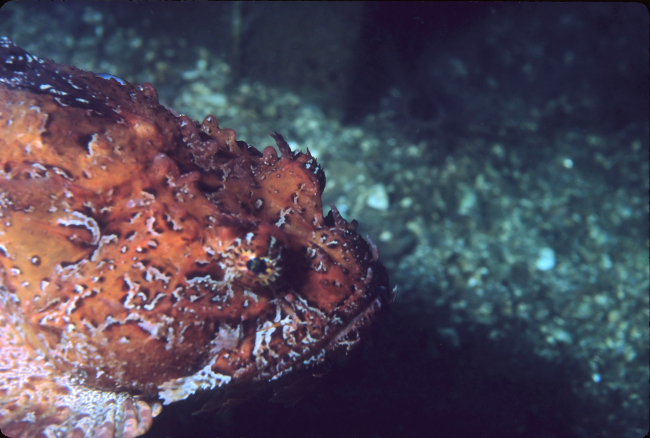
{"x": 146, "y": 257}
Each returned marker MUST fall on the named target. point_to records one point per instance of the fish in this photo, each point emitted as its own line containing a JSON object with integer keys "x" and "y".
{"x": 147, "y": 258}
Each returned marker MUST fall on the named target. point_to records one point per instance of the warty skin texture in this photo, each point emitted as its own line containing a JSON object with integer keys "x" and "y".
{"x": 145, "y": 257}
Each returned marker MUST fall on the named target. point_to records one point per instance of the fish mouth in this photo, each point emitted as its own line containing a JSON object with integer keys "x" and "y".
{"x": 318, "y": 359}
{"x": 349, "y": 335}
{"x": 288, "y": 390}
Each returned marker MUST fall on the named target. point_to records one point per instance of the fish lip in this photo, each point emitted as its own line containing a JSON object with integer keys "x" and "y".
{"x": 361, "y": 321}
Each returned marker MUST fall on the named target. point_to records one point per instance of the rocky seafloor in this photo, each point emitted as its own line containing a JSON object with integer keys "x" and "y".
{"x": 507, "y": 192}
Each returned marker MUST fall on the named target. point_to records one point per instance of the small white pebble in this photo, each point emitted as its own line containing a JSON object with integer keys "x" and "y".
{"x": 606, "y": 262}
{"x": 546, "y": 259}
{"x": 378, "y": 198}
{"x": 467, "y": 202}
{"x": 406, "y": 202}
{"x": 595, "y": 377}
{"x": 216, "y": 99}
{"x": 385, "y": 236}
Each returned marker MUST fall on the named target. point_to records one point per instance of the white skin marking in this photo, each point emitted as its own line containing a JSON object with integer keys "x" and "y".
{"x": 283, "y": 214}
{"x": 263, "y": 335}
{"x": 154, "y": 274}
{"x": 81, "y": 219}
{"x": 149, "y": 224}
{"x": 250, "y": 294}
{"x": 134, "y": 288}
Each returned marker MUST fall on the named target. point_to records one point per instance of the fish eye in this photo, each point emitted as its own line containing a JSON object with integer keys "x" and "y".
{"x": 253, "y": 263}
{"x": 256, "y": 265}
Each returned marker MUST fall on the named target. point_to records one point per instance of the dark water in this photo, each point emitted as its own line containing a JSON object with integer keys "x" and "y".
{"x": 498, "y": 155}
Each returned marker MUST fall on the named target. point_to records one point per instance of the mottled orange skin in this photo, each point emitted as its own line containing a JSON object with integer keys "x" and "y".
{"x": 145, "y": 257}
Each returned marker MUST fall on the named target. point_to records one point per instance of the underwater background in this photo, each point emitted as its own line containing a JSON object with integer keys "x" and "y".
{"x": 497, "y": 153}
